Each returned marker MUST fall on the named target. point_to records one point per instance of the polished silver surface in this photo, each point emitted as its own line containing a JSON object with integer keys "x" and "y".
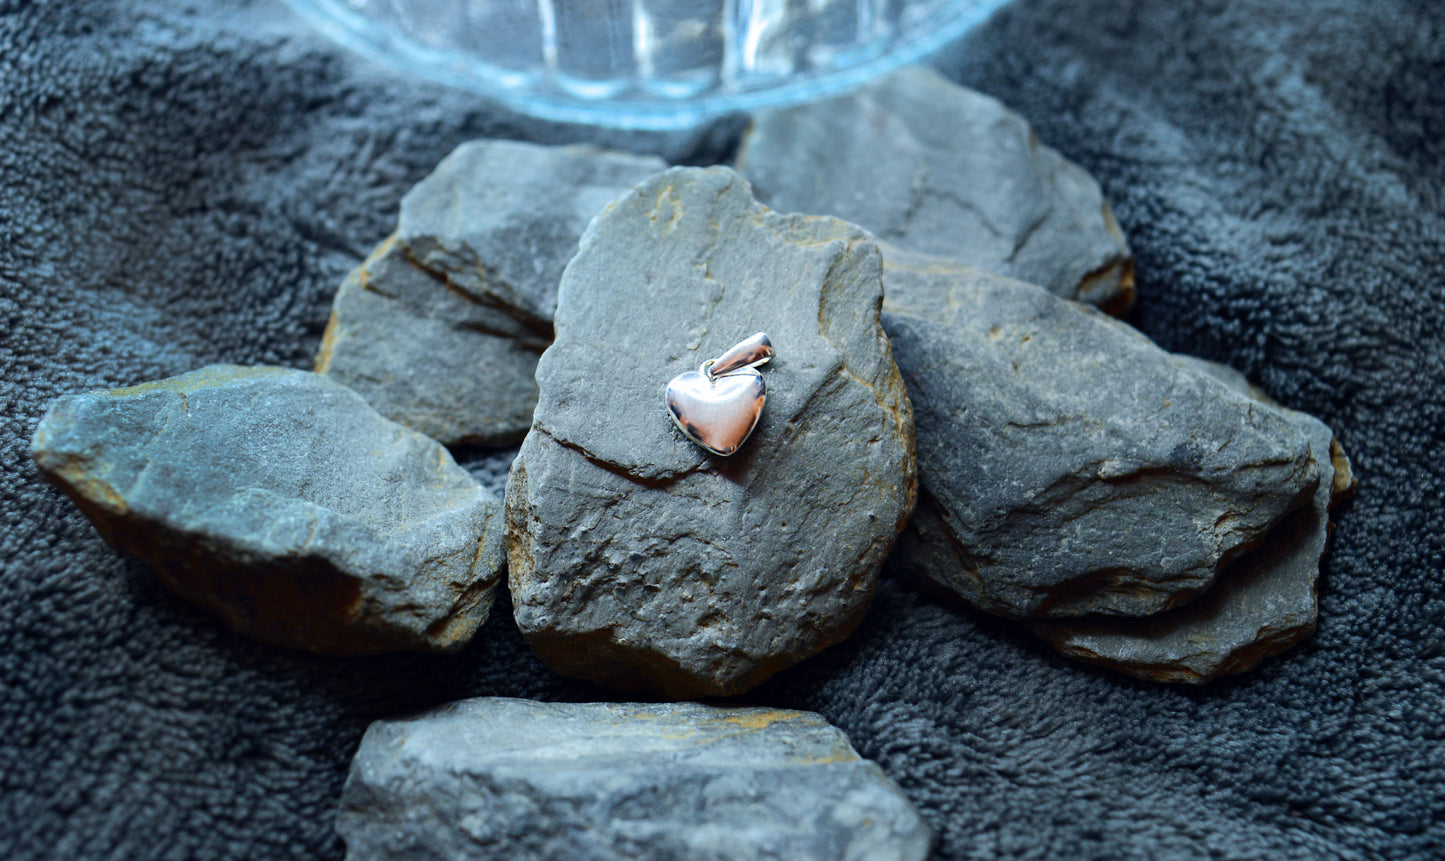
{"x": 748, "y": 353}
{"x": 718, "y": 405}
{"x": 717, "y": 413}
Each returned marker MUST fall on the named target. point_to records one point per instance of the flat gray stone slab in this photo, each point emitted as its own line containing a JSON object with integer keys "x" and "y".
{"x": 504, "y": 778}
{"x": 1262, "y": 605}
{"x": 934, "y": 167}
{"x": 640, "y": 561}
{"x": 285, "y": 505}
{"x": 440, "y": 328}
{"x": 1068, "y": 465}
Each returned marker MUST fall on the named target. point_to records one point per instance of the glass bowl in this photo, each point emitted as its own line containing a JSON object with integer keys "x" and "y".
{"x": 652, "y": 64}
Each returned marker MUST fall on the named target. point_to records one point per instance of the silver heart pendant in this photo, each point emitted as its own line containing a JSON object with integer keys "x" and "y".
{"x": 718, "y": 405}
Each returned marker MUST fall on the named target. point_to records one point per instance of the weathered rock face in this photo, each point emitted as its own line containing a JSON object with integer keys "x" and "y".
{"x": 1068, "y": 465}
{"x": 505, "y": 778}
{"x": 1262, "y": 605}
{"x": 933, "y": 167}
{"x": 432, "y": 358}
{"x": 637, "y": 559}
{"x": 440, "y": 328}
{"x": 1336, "y": 470}
{"x": 284, "y": 504}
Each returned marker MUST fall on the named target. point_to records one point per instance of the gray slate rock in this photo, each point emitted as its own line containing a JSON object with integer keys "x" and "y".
{"x": 637, "y": 560}
{"x": 1068, "y": 465}
{"x": 505, "y": 778}
{"x": 933, "y": 167}
{"x": 1343, "y": 481}
{"x": 1262, "y": 605}
{"x": 284, "y": 504}
{"x": 440, "y": 328}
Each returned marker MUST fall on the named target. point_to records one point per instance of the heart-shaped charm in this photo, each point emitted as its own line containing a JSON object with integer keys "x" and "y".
{"x": 718, "y": 411}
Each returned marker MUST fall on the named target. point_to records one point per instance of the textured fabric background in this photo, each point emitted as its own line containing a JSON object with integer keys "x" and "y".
{"x": 183, "y": 184}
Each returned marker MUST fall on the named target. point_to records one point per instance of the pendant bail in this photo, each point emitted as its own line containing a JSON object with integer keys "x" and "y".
{"x": 750, "y": 352}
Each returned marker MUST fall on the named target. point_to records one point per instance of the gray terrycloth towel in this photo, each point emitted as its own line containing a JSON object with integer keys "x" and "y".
{"x": 183, "y": 182}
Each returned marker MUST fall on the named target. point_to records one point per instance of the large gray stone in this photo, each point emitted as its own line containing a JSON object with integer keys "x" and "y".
{"x": 638, "y": 560}
{"x": 1262, "y": 604}
{"x": 934, "y": 167}
{"x": 284, "y": 504}
{"x": 1068, "y": 465}
{"x": 440, "y": 328}
{"x": 504, "y": 778}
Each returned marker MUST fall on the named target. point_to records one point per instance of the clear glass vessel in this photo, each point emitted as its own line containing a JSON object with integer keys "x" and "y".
{"x": 646, "y": 63}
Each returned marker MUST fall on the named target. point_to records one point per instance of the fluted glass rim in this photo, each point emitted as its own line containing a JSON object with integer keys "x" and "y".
{"x": 391, "y": 47}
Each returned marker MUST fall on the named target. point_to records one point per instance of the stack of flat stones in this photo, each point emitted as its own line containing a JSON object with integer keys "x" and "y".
{"x": 1139, "y": 510}
{"x": 1144, "y": 511}
{"x": 950, "y": 400}
{"x": 320, "y": 510}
